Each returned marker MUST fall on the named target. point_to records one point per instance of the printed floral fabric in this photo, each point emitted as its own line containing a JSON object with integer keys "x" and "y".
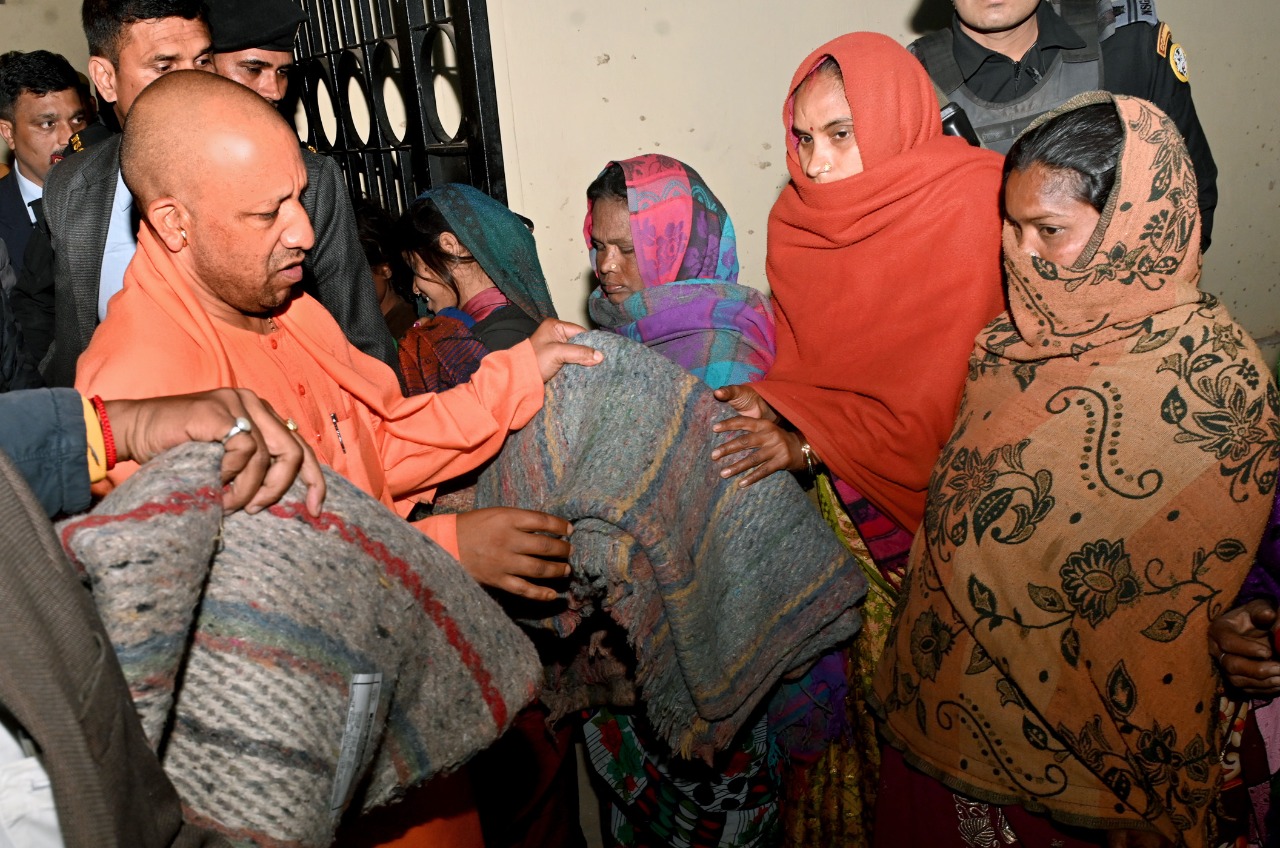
{"x": 668, "y": 801}
{"x": 1098, "y": 503}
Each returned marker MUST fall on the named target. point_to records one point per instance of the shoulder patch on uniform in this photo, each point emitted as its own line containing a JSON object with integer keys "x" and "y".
{"x": 1178, "y": 61}
{"x": 1163, "y": 37}
{"x": 1135, "y": 11}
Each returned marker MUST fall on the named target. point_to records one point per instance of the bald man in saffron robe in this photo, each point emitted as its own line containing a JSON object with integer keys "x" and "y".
{"x": 211, "y": 299}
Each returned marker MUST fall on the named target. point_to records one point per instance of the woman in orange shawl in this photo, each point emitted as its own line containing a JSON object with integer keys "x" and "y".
{"x": 884, "y": 263}
{"x": 1099, "y": 502}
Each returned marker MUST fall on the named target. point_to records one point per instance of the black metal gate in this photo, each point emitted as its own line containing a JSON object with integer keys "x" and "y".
{"x": 383, "y": 53}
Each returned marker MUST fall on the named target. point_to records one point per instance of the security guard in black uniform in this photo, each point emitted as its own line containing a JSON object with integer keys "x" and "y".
{"x": 1063, "y": 47}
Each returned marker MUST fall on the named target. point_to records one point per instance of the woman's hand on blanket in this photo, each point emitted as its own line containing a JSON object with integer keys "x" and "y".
{"x": 551, "y": 345}
{"x": 258, "y": 466}
{"x": 771, "y": 448}
{"x": 1241, "y": 642}
{"x": 745, "y": 401}
{"x": 506, "y": 548}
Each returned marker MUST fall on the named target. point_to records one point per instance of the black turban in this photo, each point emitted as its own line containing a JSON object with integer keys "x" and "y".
{"x": 242, "y": 24}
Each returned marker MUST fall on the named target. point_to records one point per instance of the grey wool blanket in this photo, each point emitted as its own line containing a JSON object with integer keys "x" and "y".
{"x": 719, "y": 589}
{"x": 285, "y": 666}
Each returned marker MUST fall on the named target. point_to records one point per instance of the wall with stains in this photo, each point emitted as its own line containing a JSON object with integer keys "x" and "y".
{"x": 580, "y": 83}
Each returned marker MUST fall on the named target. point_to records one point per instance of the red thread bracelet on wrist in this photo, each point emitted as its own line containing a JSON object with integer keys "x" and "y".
{"x": 108, "y": 440}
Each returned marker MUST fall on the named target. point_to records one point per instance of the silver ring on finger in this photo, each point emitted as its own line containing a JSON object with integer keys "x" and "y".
{"x": 242, "y": 425}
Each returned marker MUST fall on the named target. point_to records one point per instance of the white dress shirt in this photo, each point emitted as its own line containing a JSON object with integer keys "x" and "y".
{"x": 30, "y": 191}
{"x": 28, "y": 818}
{"x": 122, "y": 243}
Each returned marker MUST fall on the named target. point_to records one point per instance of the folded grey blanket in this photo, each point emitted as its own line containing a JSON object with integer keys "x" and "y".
{"x": 720, "y": 589}
{"x": 284, "y": 665}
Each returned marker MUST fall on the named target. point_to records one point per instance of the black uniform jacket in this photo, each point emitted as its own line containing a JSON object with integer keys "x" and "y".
{"x": 1138, "y": 59}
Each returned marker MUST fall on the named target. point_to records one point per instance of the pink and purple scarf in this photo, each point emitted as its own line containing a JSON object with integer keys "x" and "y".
{"x": 692, "y": 309}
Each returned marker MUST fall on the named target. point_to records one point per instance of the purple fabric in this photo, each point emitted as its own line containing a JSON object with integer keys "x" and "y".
{"x": 1263, "y": 580}
{"x": 887, "y": 543}
{"x": 805, "y": 716}
{"x": 721, "y": 333}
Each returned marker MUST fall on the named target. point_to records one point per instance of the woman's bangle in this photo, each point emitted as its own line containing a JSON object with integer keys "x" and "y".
{"x": 108, "y": 440}
{"x": 810, "y": 459}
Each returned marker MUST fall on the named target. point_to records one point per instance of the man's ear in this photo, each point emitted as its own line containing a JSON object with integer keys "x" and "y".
{"x": 170, "y": 219}
{"x": 6, "y": 132}
{"x": 103, "y": 74}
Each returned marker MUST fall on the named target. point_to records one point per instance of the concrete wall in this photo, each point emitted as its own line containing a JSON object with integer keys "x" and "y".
{"x": 580, "y": 83}
{"x": 1236, "y": 78}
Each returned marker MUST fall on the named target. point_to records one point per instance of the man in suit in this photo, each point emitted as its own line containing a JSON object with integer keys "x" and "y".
{"x": 40, "y": 109}
{"x": 90, "y": 214}
{"x": 75, "y": 767}
{"x": 16, "y": 371}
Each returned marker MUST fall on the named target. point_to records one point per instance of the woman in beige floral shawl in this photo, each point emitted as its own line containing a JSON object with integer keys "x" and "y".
{"x": 1098, "y": 503}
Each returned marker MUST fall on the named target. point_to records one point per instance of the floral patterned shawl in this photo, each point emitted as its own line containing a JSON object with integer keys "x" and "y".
{"x": 1098, "y": 503}
{"x": 692, "y": 309}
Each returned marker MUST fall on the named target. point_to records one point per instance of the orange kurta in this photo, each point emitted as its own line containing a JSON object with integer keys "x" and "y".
{"x": 158, "y": 340}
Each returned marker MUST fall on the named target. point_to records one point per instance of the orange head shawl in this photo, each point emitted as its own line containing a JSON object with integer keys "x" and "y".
{"x": 882, "y": 280}
{"x": 1097, "y": 505}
